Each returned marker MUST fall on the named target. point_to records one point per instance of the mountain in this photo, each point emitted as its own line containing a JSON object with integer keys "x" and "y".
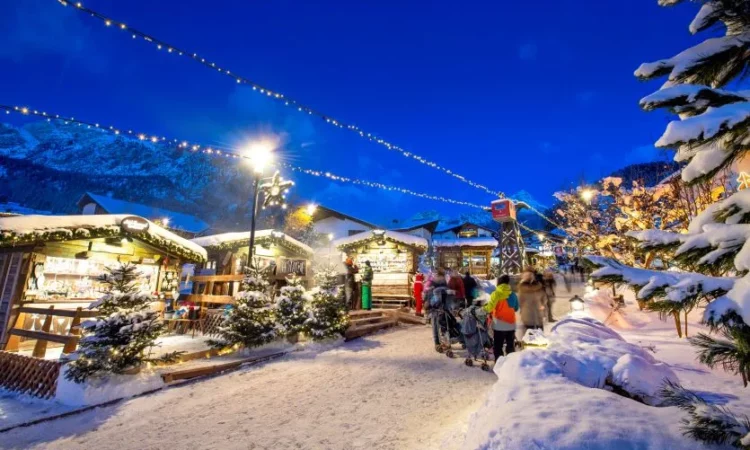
{"x": 650, "y": 173}
{"x": 48, "y": 166}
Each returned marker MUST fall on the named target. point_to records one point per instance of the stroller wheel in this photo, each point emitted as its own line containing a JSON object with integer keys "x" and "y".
{"x": 439, "y": 348}
{"x": 449, "y": 354}
{"x": 469, "y": 362}
{"x": 485, "y": 367}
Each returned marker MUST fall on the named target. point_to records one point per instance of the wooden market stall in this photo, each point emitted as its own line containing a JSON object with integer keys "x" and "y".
{"x": 49, "y": 267}
{"x": 473, "y": 253}
{"x": 220, "y": 275}
{"x": 394, "y": 257}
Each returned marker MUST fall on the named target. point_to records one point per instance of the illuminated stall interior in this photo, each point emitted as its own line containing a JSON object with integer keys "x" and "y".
{"x": 465, "y": 246}
{"x": 54, "y": 261}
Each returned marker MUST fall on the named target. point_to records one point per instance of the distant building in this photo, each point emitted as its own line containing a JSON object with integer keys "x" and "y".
{"x": 328, "y": 221}
{"x": 182, "y": 224}
{"x": 424, "y": 228}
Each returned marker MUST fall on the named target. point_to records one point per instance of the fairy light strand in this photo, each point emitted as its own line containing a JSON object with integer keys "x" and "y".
{"x": 222, "y": 152}
{"x": 276, "y": 95}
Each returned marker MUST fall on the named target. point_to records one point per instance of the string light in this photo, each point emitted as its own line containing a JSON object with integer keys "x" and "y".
{"x": 287, "y": 101}
{"x": 198, "y": 148}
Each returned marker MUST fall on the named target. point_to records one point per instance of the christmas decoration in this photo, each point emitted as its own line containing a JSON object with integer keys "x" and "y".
{"x": 328, "y": 316}
{"x": 275, "y": 191}
{"x": 252, "y": 320}
{"x": 744, "y": 181}
{"x": 174, "y": 50}
{"x": 291, "y": 311}
{"x": 116, "y": 340}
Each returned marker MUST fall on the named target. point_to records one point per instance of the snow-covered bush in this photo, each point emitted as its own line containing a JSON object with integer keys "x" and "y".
{"x": 252, "y": 320}
{"x": 328, "y": 316}
{"x": 115, "y": 341}
{"x": 291, "y": 312}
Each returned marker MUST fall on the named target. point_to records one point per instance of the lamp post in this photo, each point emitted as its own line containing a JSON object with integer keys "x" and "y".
{"x": 260, "y": 155}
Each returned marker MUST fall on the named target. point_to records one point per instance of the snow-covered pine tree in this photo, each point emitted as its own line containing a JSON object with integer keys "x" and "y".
{"x": 712, "y": 132}
{"x": 291, "y": 311}
{"x": 252, "y": 320}
{"x": 328, "y": 314}
{"x": 115, "y": 341}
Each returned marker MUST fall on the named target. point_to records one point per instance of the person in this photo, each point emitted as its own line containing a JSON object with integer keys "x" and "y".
{"x": 531, "y": 301}
{"x": 437, "y": 287}
{"x": 367, "y": 286}
{"x": 549, "y": 283}
{"x": 418, "y": 289}
{"x": 350, "y": 284}
{"x": 470, "y": 285}
{"x": 502, "y": 307}
{"x": 456, "y": 284}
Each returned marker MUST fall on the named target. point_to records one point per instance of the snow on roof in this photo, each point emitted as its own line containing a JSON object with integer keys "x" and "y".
{"x": 35, "y": 228}
{"x": 177, "y": 220}
{"x": 217, "y": 240}
{"x": 396, "y": 236}
{"x": 466, "y": 242}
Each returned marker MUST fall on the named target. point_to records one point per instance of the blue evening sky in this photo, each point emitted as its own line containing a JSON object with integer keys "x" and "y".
{"x": 515, "y": 95}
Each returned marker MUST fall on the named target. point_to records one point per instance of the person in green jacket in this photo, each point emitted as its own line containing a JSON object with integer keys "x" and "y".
{"x": 367, "y": 286}
{"x": 502, "y": 306}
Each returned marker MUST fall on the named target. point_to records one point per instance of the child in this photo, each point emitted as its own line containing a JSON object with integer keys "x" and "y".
{"x": 502, "y": 306}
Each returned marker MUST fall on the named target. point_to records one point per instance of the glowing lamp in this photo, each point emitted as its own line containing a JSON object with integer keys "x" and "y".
{"x": 576, "y": 304}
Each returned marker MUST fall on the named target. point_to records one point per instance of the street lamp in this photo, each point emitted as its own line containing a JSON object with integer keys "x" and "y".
{"x": 588, "y": 195}
{"x": 260, "y": 155}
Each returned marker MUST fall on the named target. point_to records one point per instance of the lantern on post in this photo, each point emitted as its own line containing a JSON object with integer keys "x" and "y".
{"x": 576, "y": 304}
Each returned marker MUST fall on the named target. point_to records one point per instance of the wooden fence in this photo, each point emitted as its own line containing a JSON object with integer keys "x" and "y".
{"x": 28, "y": 375}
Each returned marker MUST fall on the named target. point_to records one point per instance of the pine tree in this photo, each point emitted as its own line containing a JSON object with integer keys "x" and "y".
{"x": 291, "y": 309}
{"x": 252, "y": 321}
{"x": 712, "y": 131}
{"x": 328, "y": 314}
{"x": 116, "y": 340}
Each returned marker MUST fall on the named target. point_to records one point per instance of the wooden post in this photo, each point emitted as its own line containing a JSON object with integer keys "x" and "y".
{"x": 40, "y": 349}
{"x": 74, "y": 332}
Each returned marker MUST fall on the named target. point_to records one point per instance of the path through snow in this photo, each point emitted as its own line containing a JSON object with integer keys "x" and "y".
{"x": 387, "y": 391}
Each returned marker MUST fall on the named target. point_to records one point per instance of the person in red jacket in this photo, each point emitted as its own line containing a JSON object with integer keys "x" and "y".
{"x": 456, "y": 283}
{"x": 418, "y": 289}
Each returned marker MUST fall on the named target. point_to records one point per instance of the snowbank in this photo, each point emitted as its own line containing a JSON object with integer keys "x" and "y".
{"x": 100, "y": 390}
{"x": 600, "y": 304}
{"x": 553, "y": 387}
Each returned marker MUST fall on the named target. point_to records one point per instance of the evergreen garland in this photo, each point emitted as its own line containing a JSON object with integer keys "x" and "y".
{"x": 328, "y": 315}
{"x": 291, "y": 309}
{"x": 252, "y": 320}
{"x": 116, "y": 340}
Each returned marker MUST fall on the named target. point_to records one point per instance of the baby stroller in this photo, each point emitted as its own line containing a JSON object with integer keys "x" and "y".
{"x": 445, "y": 325}
{"x": 477, "y": 339}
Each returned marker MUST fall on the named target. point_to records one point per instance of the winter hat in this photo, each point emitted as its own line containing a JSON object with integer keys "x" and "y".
{"x": 349, "y": 261}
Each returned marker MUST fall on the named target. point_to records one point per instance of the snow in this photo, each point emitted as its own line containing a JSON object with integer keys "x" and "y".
{"x": 19, "y": 225}
{"x": 465, "y": 242}
{"x": 397, "y": 236}
{"x": 705, "y": 17}
{"x": 641, "y": 378}
{"x": 177, "y": 220}
{"x": 705, "y": 126}
{"x": 15, "y": 208}
{"x": 100, "y": 390}
{"x": 223, "y": 238}
{"x": 684, "y": 61}
{"x": 655, "y": 238}
{"x": 387, "y": 391}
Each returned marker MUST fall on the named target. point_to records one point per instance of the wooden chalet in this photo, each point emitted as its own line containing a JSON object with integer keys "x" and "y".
{"x": 465, "y": 245}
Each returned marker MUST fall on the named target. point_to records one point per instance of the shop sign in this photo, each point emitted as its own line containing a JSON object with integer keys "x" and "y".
{"x": 294, "y": 266}
{"x": 134, "y": 224}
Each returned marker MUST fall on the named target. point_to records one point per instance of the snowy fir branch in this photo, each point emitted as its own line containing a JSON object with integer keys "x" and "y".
{"x": 731, "y": 353}
{"x": 705, "y": 422}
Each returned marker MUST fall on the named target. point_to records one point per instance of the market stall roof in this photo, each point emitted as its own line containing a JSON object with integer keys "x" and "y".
{"x": 466, "y": 242}
{"x": 177, "y": 220}
{"x": 242, "y": 239}
{"x": 413, "y": 224}
{"x": 34, "y": 229}
{"x": 387, "y": 235}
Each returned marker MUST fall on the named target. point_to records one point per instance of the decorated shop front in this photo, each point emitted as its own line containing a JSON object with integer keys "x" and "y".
{"x": 394, "y": 257}
{"x": 284, "y": 255}
{"x": 49, "y": 269}
{"x": 472, "y": 253}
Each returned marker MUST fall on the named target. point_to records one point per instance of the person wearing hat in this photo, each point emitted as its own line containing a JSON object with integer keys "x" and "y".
{"x": 367, "y": 286}
{"x": 350, "y": 284}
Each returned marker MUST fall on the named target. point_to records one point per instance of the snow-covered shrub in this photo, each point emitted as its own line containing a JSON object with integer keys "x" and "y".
{"x": 291, "y": 312}
{"x": 115, "y": 341}
{"x": 252, "y": 320}
{"x": 328, "y": 315}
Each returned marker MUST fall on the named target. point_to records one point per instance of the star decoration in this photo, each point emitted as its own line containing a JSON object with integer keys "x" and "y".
{"x": 275, "y": 191}
{"x": 743, "y": 180}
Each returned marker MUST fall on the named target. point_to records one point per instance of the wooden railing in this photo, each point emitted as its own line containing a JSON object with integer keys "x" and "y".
{"x": 44, "y": 336}
{"x": 219, "y": 289}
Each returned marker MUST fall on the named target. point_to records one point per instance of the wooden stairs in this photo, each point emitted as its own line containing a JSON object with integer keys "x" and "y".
{"x": 390, "y": 302}
{"x": 368, "y": 322}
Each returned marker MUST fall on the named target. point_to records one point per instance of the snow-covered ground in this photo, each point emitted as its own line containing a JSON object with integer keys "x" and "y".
{"x": 543, "y": 401}
{"x": 386, "y": 391}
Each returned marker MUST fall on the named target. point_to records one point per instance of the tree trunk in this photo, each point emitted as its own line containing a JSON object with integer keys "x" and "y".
{"x": 677, "y": 324}
{"x": 686, "y": 330}
{"x": 649, "y": 260}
